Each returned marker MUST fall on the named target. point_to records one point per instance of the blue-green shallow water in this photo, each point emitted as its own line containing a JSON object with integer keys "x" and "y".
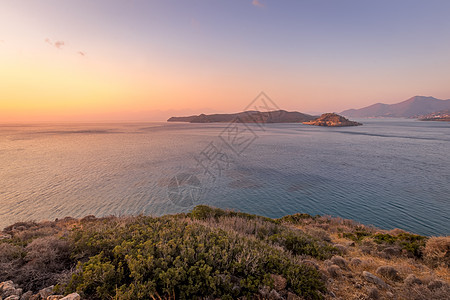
{"x": 389, "y": 173}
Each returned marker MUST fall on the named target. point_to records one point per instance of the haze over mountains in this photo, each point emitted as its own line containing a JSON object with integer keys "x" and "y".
{"x": 413, "y": 107}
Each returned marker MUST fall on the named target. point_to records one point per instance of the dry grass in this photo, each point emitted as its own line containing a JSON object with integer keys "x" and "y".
{"x": 351, "y": 285}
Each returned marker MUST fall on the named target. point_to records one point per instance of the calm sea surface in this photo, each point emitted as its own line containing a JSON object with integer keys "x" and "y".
{"x": 390, "y": 173}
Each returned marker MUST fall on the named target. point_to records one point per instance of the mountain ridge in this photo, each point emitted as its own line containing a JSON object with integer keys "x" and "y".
{"x": 410, "y": 108}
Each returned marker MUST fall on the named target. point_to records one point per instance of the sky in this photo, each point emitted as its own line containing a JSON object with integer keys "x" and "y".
{"x": 144, "y": 60}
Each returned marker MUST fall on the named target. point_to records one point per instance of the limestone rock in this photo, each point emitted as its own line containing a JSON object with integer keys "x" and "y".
{"x": 374, "y": 279}
{"x": 26, "y": 296}
{"x": 392, "y": 252}
{"x": 340, "y": 261}
{"x": 355, "y": 261}
{"x": 334, "y": 271}
{"x": 273, "y": 295}
{"x": 44, "y": 293}
{"x": 73, "y": 296}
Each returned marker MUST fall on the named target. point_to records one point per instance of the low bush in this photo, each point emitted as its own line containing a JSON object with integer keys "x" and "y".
{"x": 411, "y": 243}
{"x": 167, "y": 257}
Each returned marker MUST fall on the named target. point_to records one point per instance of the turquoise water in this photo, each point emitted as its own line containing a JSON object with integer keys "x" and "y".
{"x": 389, "y": 173}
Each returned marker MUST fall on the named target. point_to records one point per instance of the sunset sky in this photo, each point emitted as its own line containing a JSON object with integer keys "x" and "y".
{"x": 144, "y": 60}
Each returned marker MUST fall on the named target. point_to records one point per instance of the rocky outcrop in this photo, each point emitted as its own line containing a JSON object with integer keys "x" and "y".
{"x": 374, "y": 279}
{"x": 332, "y": 120}
{"x": 11, "y": 291}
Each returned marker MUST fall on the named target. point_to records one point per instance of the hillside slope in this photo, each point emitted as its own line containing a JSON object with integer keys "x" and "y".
{"x": 418, "y": 105}
{"x": 216, "y": 254}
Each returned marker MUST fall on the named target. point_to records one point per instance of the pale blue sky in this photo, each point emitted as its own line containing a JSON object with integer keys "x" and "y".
{"x": 312, "y": 55}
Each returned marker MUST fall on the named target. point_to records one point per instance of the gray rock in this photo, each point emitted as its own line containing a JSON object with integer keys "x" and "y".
{"x": 355, "y": 261}
{"x": 292, "y": 296}
{"x": 436, "y": 284}
{"x": 392, "y": 251}
{"x": 8, "y": 288}
{"x": 73, "y": 296}
{"x": 340, "y": 261}
{"x": 389, "y": 272}
{"x": 411, "y": 279}
{"x": 334, "y": 271}
{"x": 44, "y": 293}
{"x": 26, "y": 296}
{"x": 373, "y": 293}
{"x": 13, "y": 297}
{"x": 264, "y": 291}
{"x": 374, "y": 279}
{"x": 273, "y": 295}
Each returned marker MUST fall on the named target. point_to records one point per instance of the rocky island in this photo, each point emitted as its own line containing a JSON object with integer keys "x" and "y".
{"x": 332, "y": 120}
{"x": 277, "y": 116}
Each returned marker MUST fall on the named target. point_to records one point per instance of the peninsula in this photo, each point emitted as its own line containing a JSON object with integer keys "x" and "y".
{"x": 277, "y": 116}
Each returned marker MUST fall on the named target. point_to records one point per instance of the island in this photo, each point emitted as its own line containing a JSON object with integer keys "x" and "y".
{"x": 332, "y": 120}
{"x": 276, "y": 116}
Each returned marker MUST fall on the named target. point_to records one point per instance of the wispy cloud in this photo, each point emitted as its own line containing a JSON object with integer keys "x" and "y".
{"x": 57, "y": 44}
{"x": 257, "y": 3}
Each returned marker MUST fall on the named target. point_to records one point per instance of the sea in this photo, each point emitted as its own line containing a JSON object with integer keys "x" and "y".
{"x": 390, "y": 173}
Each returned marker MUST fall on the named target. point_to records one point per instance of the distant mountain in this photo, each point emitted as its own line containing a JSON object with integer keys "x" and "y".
{"x": 332, "y": 120}
{"x": 279, "y": 116}
{"x": 413, "y": 107}
{"x": 443, "y": 115}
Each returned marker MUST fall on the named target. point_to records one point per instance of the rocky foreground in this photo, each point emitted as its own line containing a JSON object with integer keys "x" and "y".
{"x": 332, "y": 120}
{"x": 11, "y": 291}
{"x": 211, "y": 253}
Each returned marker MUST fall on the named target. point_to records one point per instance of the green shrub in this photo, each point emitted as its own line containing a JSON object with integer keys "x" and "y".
{"x": 356, "y": 236}
{"x": 412, "y": 243}
{"x": 171, "y": 257}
